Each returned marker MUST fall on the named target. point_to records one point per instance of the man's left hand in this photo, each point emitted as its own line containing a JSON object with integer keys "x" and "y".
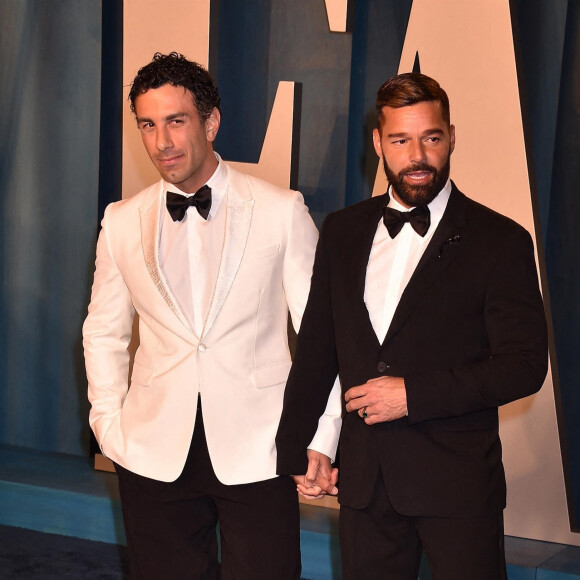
{"x": 378, "y": 400}
{"x": 320, "y": 478}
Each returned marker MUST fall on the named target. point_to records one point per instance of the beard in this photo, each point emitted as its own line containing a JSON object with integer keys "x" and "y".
{"x": 416, "y": 195}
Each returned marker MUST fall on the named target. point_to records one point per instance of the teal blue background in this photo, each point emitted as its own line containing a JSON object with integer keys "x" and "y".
{"x": 60, "y": 146}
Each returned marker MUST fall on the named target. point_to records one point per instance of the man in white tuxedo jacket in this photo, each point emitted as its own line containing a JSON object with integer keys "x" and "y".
{"x": 211, "y": 260}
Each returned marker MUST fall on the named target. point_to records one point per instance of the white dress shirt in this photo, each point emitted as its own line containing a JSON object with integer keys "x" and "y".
{"x": 392, "y": 262}
{"x": 198, "y": 243}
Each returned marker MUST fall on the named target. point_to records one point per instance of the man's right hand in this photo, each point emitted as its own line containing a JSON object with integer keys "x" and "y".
{"x": 320, "y": 478}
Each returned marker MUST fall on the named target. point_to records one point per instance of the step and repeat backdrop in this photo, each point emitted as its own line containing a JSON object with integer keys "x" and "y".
{"x": 298, "y": 82}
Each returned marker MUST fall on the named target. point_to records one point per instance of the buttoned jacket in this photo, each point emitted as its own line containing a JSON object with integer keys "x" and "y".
{"x": 468, "y": 335}
{"x": 239, "y": 363}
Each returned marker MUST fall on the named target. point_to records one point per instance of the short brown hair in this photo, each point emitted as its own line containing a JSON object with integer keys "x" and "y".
{"x": 409, "y": 89}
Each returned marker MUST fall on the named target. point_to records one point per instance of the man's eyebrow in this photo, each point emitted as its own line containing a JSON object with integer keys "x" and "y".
{"x": 434, "y": 131}
{"x": 171, "y": 117}
{"x": 175, "y": 116}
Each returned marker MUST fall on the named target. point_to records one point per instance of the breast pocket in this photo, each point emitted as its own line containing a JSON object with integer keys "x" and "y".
{"x": 261, "y": 253}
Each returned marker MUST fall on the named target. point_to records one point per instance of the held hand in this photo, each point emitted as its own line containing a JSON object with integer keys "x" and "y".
{"x": 320, "y": 477}
{"x": 379, "y": 400}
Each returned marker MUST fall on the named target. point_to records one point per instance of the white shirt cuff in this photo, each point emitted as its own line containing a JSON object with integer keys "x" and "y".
{"x": 326, "y": 437}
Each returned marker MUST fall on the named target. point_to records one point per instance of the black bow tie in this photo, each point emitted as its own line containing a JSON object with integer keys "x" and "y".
{"x": 419, "y": 218}
{"x": 177, "y": 204}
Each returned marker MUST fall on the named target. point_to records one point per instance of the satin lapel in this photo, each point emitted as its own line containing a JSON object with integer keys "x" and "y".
{"x": 366, "y": 230}
{"x": 437, "y": 257}
{"x": 356, "y": 258}
{"x": 149, "y": 216}
{"x": 239, "y": 209}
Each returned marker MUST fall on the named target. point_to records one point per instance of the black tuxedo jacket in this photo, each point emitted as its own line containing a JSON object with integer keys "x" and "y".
{"x": 468, "y": 335}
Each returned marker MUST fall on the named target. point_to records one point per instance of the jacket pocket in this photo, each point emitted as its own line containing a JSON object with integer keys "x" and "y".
{"x": 263, "y": 252}
{"x": 141, "y": 375}
{"x": 271, "y": 375}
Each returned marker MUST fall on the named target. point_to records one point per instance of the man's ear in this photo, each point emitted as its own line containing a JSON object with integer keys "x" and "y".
{"x": 377, "y": 143}
{"x": 451, "y": 138}
{"x": 212, "y": 125}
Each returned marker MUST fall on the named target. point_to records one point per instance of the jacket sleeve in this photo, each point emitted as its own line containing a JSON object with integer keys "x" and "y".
{"x": 298, "y": 258}
{"x": 516, "y": 330}
{"x": 313, "y": 373}
{"x": 107, "y": 332}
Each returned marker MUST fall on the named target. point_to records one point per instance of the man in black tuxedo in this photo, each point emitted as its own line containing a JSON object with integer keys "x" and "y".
{"x": 432, "y": 318}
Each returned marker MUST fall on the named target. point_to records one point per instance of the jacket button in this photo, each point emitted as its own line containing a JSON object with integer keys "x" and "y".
{"x": 382, "y": 367}
{"x": 202, "y": 347}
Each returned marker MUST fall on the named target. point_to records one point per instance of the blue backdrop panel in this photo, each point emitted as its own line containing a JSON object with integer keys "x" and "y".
{"x": 563, "y": 254}
{"x": 112, "y": 105}
{"x": 263, "y": 42}
{"x": 60, "y": 165}
{"x": 540, "y": 27}
{"x": 378, "y": 38}
{"x": 49, "y": 162}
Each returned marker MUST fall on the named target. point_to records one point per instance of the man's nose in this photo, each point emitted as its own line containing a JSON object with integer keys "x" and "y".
{"x": 163, "y": 139}
{"x": 417, "y": 152}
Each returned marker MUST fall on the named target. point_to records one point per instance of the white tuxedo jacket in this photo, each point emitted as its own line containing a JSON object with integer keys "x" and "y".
{"x": 239, "y": 364}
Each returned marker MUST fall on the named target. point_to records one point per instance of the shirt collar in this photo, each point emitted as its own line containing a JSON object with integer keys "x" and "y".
{"x": 218, "y": 183}
{"x": 438, "y": 204}
{"x": 436, "y": 207}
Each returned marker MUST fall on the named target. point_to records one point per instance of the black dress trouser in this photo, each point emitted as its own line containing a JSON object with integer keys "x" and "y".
{"x": 171, "y": 527}
{"x": 378, "y": 543}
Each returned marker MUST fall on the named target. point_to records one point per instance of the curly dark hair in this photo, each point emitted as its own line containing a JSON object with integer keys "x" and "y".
{"x": 409, "y": 89}
{"x": 174, "y": 69}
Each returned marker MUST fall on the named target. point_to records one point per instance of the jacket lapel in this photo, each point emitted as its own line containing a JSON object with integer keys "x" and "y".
{"x": 239, "y": 208}
{"x": 149, "y": 214}
{"x": 437, "y": 257}
{"x": 356, "y": 258}
{"x": 366, "y": 234}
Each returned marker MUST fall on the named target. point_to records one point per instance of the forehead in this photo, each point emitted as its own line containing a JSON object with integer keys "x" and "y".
{"x": 166, "y": 100}
{"x": 419, "y": 117}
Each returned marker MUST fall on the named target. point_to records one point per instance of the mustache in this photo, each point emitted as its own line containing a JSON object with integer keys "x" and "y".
{"x": 418, "y": 167}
